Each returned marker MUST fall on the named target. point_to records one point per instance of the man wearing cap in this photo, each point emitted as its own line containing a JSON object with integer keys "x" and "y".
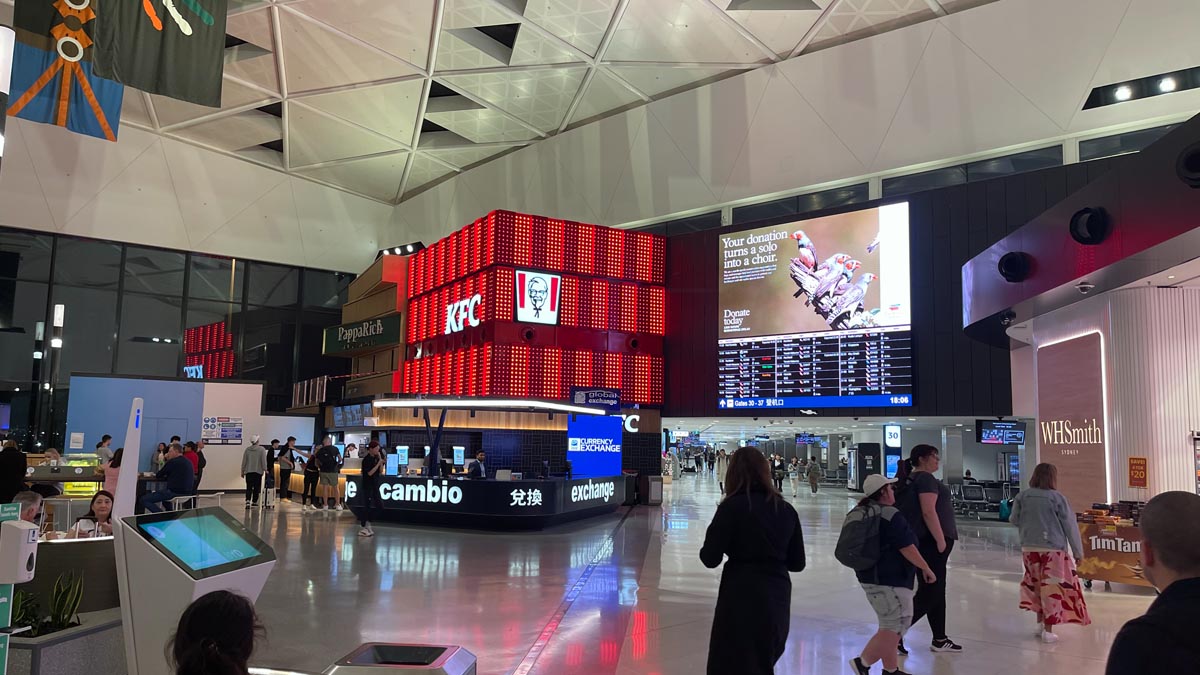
{"x": 254, "y": 463}
{"x": 1163, "y": 640}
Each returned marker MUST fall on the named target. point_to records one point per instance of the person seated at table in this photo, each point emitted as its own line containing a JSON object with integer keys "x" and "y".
{"x": 31, "y": 506}
{"x": 215, "y": 636}
{"x": 179, "y": 477}
{"x": 47, "y": 489}
{"x": 477, "y": 469}
{"x": 97, "y": 522}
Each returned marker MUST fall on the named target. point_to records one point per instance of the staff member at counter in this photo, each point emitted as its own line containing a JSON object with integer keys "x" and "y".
{"x": 477, "y": 470}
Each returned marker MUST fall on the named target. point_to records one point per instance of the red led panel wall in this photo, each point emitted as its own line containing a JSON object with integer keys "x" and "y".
{"x": 598, "y": 304}
{"x": 519, "y": 240}
{"x": 535, "y": 372}
{"x": 211, "y": 346}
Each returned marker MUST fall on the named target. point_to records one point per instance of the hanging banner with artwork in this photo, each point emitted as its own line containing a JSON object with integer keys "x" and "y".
{"x": 52, "y": 77}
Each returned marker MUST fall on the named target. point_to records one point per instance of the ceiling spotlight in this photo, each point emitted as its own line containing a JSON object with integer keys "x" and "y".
{"x": 56, "y": 343}
{"x": 16, "y": 389}
{"x": 1123, "y": 93}
{"x": 385, "y": 252}
{"x": 408, "y": 248}
{"x": 37, "y": 355}
{"x": 397, "y": 249}
{"x": 46, "y": 386}
{"x": 167, "y": 340}
{"x": 1171, "y": 276}
{"x": 155, "y": 340}
{"x": 958, "y": 425}
{"x": 1167, "y": 84}
{"x": 912, "y": 419}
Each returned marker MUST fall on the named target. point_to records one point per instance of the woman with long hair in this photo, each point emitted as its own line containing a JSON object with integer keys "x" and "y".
{"x": 889, "y": 583}
{"x": 1046, "y": 521}
{"x": 112, "y": 471}
{"x": 760, "y": 535}
{"x": 925, "y": 502}
{"x": 216, "y": 636}
{"x": 97, "y": 522}
{"x": 722, "y": 468}
{"x": 160, "y": 457}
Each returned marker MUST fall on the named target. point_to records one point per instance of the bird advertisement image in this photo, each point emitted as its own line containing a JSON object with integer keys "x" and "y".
{"x": 842, "y": 272}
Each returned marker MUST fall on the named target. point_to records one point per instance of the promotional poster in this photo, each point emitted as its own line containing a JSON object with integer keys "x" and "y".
{"x": 840, "y": 272}
{"x": 594, "y": 445}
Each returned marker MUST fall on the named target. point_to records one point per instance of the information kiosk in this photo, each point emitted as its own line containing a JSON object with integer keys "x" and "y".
{"x": 167, "y": 560}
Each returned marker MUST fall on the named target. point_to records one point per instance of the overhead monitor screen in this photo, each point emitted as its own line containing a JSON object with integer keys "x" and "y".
{"x": 816, "y": 313}
{"x": 992, "y": 432}
{"x": 203, "y": 542}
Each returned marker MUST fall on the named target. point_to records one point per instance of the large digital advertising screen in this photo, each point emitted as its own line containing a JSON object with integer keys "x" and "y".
{"x": 594, "y": 445}
{"x": 816, "y": 313}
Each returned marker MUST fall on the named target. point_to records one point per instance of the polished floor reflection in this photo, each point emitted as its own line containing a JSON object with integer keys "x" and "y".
{"x": 627, "y": 594}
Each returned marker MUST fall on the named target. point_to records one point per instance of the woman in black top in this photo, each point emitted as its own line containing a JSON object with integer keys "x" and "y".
{"x": 925, "y": 502}
{"x": 372, "y": 477}
{"x": 760, "y": 534}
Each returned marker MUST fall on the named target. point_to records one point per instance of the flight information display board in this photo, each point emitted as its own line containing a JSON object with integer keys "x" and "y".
{"x": 817, "y": 313}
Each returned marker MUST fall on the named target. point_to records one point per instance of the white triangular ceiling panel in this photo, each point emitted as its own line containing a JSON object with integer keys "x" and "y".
{"x": 1041, "y": 66}
{"x": 317, "y": 58}
{"x": 580, "y": 22}
{"x": 471, "y": 13}
{"x": 212, "y": 188}
{"x": 399, "y": 28}
{"x": 377, "y": 177}
{"x": 1156, "y": 36}
{"x": 678, "y": 30}
{"x": 389, "y": 109}
{"x": 254, "y": 27}
{"x": 423, "y": 171}
{"x": 316, "y": 137}
{"x": 539, "y": 97}
{"x": 463, "y": 157}
{"x": 658, "y": 81}
{"x": 233, "y": 95}
{"x": 595, "y": 155}
{"x": 20, "y": 190}
{"x": 781, "y": 30}
{"x": 784, "y": 140}
{"x": 134, "y": 110}
{"x": 531, "y": 48}
{"x": 482, "y": 125}
{"x": 266, "y": 229}
{"x": 856, "y": 88}
{"x": 604, "y": 94}
{"x": 930, "y": 123}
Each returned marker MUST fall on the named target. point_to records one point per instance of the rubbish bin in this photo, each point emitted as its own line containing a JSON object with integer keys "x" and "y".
{"x": 375, "y": 657}
{"x": 631, "y": 485}
{"x": 651, "y": 490}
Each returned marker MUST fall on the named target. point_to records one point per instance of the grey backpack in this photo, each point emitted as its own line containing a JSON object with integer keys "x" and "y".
{"x": 858, "y": 544}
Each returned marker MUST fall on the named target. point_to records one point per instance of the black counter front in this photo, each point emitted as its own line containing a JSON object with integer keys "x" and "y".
{"x": 489, "y": 504}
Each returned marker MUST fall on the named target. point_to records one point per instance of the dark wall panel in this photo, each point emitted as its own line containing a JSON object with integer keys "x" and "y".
{"x": 954, "y": 374}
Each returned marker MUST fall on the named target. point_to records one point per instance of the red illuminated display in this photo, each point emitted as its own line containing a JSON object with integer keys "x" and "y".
{"x": 550, "y": 244}
{"x": 598, "y": 304}
{"x": 211, "y": 346}
{"x": 535, "y": 372}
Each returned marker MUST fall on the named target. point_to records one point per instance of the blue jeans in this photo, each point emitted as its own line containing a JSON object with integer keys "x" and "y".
{"x": 153, "y": 501}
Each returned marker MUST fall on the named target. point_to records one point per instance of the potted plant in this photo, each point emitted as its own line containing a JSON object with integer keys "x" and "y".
{"x": 59, "y": 640}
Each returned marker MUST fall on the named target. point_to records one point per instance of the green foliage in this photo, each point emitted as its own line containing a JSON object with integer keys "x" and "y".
{"x": 64, "y": 607}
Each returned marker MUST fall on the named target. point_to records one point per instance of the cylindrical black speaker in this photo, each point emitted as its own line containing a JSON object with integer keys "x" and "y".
{"x": 1187, "y": 166}
{"x": 1015, "y": 266}
{"x": 1089, "y": 226}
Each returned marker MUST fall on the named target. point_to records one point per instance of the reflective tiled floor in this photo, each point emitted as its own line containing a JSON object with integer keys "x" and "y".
{"x": 627, "y": 594}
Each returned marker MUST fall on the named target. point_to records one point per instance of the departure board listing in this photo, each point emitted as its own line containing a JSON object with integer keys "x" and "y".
{"x": 817, "y": 313}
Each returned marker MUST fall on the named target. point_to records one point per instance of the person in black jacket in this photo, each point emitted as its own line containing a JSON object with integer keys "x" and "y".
{"x": 13, "y": 464}
{"x": 760, "y": 534}
{"x": 179, "y": 477}
{"x": 1163, "y": 640}
{"x": 477, "y": 470}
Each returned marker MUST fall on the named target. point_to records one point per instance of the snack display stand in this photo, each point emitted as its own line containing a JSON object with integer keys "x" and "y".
{"x": 1112, "y": 545}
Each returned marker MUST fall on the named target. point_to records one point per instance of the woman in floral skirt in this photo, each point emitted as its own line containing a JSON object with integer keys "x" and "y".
{"x": 1050, "y": 588}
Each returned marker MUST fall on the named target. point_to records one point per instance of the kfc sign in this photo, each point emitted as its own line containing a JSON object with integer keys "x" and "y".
{"x": 538, "y": 297}
{"x": 463, "y": 313}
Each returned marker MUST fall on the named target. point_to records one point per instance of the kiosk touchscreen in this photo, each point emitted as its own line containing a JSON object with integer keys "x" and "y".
{"x": 167, "y": 560}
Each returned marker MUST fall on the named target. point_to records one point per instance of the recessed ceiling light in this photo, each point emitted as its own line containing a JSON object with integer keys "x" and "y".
{"x": 912, "y": 419}
{"x": 958, "y": 425}
{"x": 908, "y": 428}
{"x": 1167, "y": 84}
{"x": 1123, "y": 93}
{"x": 1171, "y": 277}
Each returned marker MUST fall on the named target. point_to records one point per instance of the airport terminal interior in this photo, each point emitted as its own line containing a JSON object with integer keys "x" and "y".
{"x": 599, "y": 337}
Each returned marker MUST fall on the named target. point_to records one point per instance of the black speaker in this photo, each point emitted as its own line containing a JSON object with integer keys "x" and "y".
{"x": 528, "y": 334}
{"x": 1089, "y": 226}
{"x": 1015, "y": 266}
{"x": 1187, "y": 165}
{"x": 633, "y": 343}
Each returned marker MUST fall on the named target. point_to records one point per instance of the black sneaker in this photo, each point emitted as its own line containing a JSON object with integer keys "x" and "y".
{"x": 857, "y": 666}
{"x": 946, "y": 645}
{"x": 901, "y": 649}
{"x": 895, "y": 672}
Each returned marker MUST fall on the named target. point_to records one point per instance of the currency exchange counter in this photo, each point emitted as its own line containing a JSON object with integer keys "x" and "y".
{"x": 488, "y": 504}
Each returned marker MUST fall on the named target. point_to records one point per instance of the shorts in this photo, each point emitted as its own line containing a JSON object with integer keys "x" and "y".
{"x": 893, "y": 606}
{"x": 330, "y": 479}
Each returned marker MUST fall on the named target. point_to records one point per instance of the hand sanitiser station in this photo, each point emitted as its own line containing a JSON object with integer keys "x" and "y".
{"x": 167, "y": 560}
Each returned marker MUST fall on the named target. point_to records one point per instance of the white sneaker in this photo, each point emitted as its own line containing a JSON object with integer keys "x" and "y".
{"x": 1049, "y": 638}
{"x": 340, "y": 508}
{"x": 306, "y": 507}
{"x": 364, "y": 532}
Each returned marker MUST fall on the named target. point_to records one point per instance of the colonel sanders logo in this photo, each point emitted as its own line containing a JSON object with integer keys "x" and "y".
{"x": 538, "y": 297}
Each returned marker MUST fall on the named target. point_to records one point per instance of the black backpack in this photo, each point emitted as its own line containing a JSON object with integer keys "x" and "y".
{"x": 858, "y": 543}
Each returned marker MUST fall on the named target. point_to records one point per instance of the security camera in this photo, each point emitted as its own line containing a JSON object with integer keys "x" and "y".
{"x": 1084, "y": 287}
{"x": 1007, "y": 317}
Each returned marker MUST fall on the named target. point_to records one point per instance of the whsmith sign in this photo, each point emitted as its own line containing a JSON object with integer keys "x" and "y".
{"x": 362, "y": 335}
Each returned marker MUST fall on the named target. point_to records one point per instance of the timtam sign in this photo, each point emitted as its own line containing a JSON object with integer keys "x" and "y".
{"x": 1070, "y": 382}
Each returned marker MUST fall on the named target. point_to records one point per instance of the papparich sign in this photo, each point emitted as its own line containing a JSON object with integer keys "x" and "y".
{"x": 362, "y": 335}
{"x": 1070, "y": 382}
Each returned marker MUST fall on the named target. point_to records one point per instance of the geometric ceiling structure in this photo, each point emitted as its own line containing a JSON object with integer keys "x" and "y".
{"x": 385, "y": 99}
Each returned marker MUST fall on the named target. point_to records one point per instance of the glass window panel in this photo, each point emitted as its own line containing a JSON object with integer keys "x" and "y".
{"x": 149, "y": 270}
{"x": 828, "y": 199}
{"x": 1042, "y": 158}
{"x": 270, "y": 344}
{"x": 25, "y": 255}
{"x": 772, "y": 209}
{"x": 1121, "y": 144}
{"x": 89, "y": 330}
{"x": 150, "y": 340}
{"x": 216, "y": 278}
{"x": 87, "y": 263}
{"x": 325, "y": 289}
{"x": 273, "y": 285}
{"x": 927, "y": 180}
{"x": 210, "y": 338}
{"x": 22, "y": 306}
{"x": 705, "y": 221}
{"x": 313, "y": 363}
